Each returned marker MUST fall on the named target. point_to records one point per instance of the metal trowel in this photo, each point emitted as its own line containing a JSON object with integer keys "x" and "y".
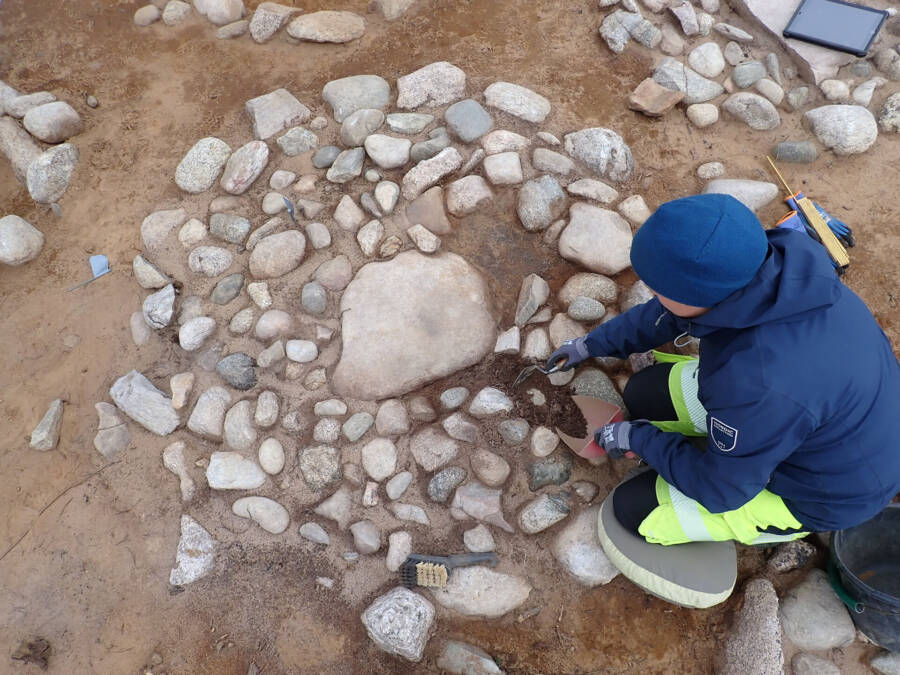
{"x": 597, "y": 413}
{"x": 99, "y": 267}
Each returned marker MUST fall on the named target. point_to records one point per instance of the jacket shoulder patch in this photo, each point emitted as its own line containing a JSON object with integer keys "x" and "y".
{"x": 723, "y": 435}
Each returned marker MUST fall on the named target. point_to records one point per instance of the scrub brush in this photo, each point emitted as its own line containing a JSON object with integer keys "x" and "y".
{"x": 432, "y": 571}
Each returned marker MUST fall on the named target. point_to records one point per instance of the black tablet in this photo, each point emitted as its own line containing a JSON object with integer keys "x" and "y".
{"x": 836, "y": 24}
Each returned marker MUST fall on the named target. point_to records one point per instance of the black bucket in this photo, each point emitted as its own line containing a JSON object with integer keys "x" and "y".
{"x": 865, "y": 572}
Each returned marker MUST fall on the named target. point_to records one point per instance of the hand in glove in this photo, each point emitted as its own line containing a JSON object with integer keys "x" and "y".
{"x": 615, "y": 438}
{"x": 570, "y": 352}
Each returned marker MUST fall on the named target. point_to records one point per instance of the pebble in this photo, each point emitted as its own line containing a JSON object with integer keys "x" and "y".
{"x": 357, "y": 126}
{"x": 754, "y": 110}
{"x": 369, "y": 236}
{"x": 399, "y": 622}
{"x": 846, "y": 129}
{"x": 193, "y": 333}
{"x": 586, "y": 309}
{"x": 889, "y": 118}
{"x": 509, "y": 341}
{"x": 244, "y": 167}
{"x": 347, "y": 166}
{"x": 259, "y": 294}
{"x": 267, "y": 513}
{"x": 357, "y": 425}
{"x": 438, "y": 139}
{"x": 421, "y": 410}
{"x": 379, "y": 458}
{"x": 548, "y": 472}
{"x": 434, "y": 85}
{"x": 481, "y": 592}
{"x": 45, "y": 435}
{"x": 237, "y": 370}
{"x": 277, "y": 254}
{"x": 603, "y": 151}
{"x": 687, "y": 17}
{"x": 201, "y": 166}
{"x": 796, "y": 151}
{"x": 208, "y": 417}
{"x": 862, "y": 94}
{"x": 504, "y": 168}
{"x": 597, "y": 238}
{"x": 408, "y": 123}
{"x": 273, "y": 323}
{"x": 159, "y": 307}
{"x": 424, "y": 240}
{"x": 192, "y": 232}
{"x": 315, "y": 533}
{"x": 320, "y": 466}
{"x": 634, "y": 209}
{"x": 807, "y": 664}
{"x": 357, "y": 92}
{"x": 173, "y": 460}
{"x": 703, "y": 114}
{"x": 386, "y": 195}
{"x": 18, "y": 146}
{"x": 502, "y": 140}
{"x": 230, "y": 227}
{"x": 474, "y": 500}
{"x": 707, "y": 59}
{"x": 146, "y": 15}
{"x": 399, "y": 548}
{"x": 461, "y": 428}
{"x": 674, "y": 75}
{"x": 468, "y": 120}
{"x": 397, "y": 485}
{"x": 755, "y": 636}
{"x": 537, "y": 397}
{"x": 733, "y": 32}
{"x": 594, "y": 286}
{"x": 478, "y": 540}
{"x": 734, "y": 53}
{"x": 372, "y": 176}
{"x": 325, "y": 156}
{"x": 577, "y": 548}
{"x": 48, "y": 175}
{"x": 753, "y": 194}
{"x": 327, "y": 430}
{"x": 459, "y": 658}
{"x": 409, "y": 512}
{"x": 490, "y": 401}
{"x": 444, "y": 482}
{"x": 20, "y": 242}
{"x": 337, "y": 507}
{"x": 366, "y": 537}
{"x": 113, "y": 435}
{"x": 541, "y": 201}
{"x": 544, "y": 512}
{"x": 453, "y": 398}
{"x": 770, "y": 90}
{"x": 266, "y": 413}
{"x": 268, "y": 18}
{"x": 593, "y": 189}
{"x": 327, "y": 26}
{"x": 467, "y": 195}
{"x": 388, "y": 152}
{"x": 314, "y": 379}
{"x": 653, "y": 99}
{"x": 298, "y": 141}
{"x": 491, "y": 469}
{"x": 543, "y": 442}
{"x": 748, "y": 73}
{"x": 797, "y": 97}
{"x": 271, "y": 456}
{"x": 517, "y": 101}
{"x": 52, "y": 122}
{"x": 195, "y": 556}
{"x": 835, "y": 90}
{"x": 712, "y": 170}
{"x": 537, "y": 345}
{"x": 813, "y": 617}
{"x": 301, "y": 351}
{"x": 513, "y": 431}
{"x": 233, "y": 471}
{"x": 147, "y": 274}
{"x": 391, "y": 418}
{"x": 370, "y": 494}
{"x": 271, "y": 355}
{"x": 227, "y": 289}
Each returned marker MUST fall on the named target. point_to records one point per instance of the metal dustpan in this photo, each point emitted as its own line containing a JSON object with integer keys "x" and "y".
{"x": 597, "y": 413}
{"x": 99, "y": 267}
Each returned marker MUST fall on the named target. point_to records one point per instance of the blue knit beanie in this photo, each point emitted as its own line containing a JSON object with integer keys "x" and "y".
{"x": 699, "y": 250}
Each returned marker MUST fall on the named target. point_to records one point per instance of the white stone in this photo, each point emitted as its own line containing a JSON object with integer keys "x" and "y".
{"x": 301, "y": 351}
{"x": 200, "y": 168}
{"x": 710, "y": 170}
{"x": 593, "y": 189}
{"x": 543, "y": 442}
{"x": 277, "y": 254}
{"x": 634, "y": 209}
{"x": 517, "y": 101}
{"x": 409, "y": 512}
{"x": 603, "y": 151}
{"x": 208, "y": 417}
{"x": 233, "y": 471}
{"x": 271, "y": 456}
{"x": 813, "y": 617}
{"x": 53, "y": 122}
{"x": 479, "y": 591}
{"x": 388, "y": 152}
{"x": 478, "y": 540}
{"x": 434, "y": 85}
{"x": 702, "y": 114}
{"x": 508, "y": 342}
{"x": 48, "y": 176}
{"x": 467, "y": 195}
{"x": 244, "y": 167}
{"x": 194, "y": 332}
{"x": 366, "y": 537}
{"x": 424, "y": 239}
{"x": 399, "y": 622}
{"x": 392, "y": 419}
{"x": 195, "y": 556}
{"x": 157, "y": 226}
{"x": 267, "y": 513}
{"x": 459, "y": 658}
{"x": 428, "y": 172}
{"x": 707, "y": 59}
{"x": 173, "y": 460}
{"x": 273, "y": 323}
{"x": 846, "y": 129}
{"x": 504, "y": 168}
{"x": 192, "y": 232}
{"x": 379, "y": 458}
{"x": 20, "y": 242}
{"x": 551, "y": 162}
{"x": 267, "y": 19}
{"x": 597, "y": 238}
{"x": 501, "y": 140}
{"x": 327, "y": 430}
{"x": 45, "y": 435}
{"x": 578, "y": 550}
{"x": 369, "y": 236}
{"x": 537, "y": 345}
{"x": 432, "y": 448}
{"x": 327, "y": 26}
{"x": 138, "y": 398}
{"x": 490, "y": 401}
{"x": 349, "y": 94}
{"x": 399, "y": 548}
{"x": 397, "y": 485}
{"x": 238, "y": 428}
{"x": 753, "y": 194}
{"x": 315, "y": 533}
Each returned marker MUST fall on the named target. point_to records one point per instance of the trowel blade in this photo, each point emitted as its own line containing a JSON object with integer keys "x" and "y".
{"x": 99, "y": 265}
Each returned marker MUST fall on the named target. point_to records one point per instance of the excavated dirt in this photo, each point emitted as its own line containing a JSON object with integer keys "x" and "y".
{"x": 86, "y": 546}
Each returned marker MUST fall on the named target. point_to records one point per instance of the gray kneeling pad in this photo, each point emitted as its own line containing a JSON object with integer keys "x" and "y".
{"x": 697, "y": 575}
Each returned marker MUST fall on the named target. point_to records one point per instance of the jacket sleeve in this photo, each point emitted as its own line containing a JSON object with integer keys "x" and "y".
{"x": 745, "y": 445}
{"x": 639, "y": 329}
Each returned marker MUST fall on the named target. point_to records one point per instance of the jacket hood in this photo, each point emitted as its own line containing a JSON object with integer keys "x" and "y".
{"x": 782, "y": 290}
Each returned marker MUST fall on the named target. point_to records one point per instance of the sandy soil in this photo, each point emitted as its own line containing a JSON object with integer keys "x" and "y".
{"x": 86, "y": 546}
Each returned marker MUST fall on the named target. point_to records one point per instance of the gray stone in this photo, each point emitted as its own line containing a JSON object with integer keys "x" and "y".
{"x": 753, "y": 194}
{"x": 379, "y": 458}
{"x": 318, "y": 234}
{"x": 238, "y": 427}
{"x": 432, "y": 448}
{"x": 480, "y": 592}
{"x": 468, "y": 120}
{"x": 748, "y": 73}
{"x": 347, "y": 166}
{"x": 444, "y": 482}
{"x": 20, "y": 242}
{"x": 807, "y": 664}
{"x": 208, "y": 417}
{"x": 233, "y": 471}
{"x": 409, "y": 123}
{"x": 490, "y": 401}
{"x": 509, "y": 341}
{"x": 886, "y": 663}
{"x": 710, "y": 170}
{"x": 491, "y": 469}
{"x": 369, "y": 236}
{"x": 754, "y": 110}
{"x": 268, "y": 18}
{"x": 113, "y": 435}
{"x": 504, "y": 168}
{"x": 420, "y": 409}
{"x": 267, "y": 513}
{"x": 387, "y": 194}
{"x": 674, "y": 75}
{"x": 797, "y": 97}
{"x": 348, "y": 215}
{"x": 327, "y": 431}
{"x": 597, "y": 238}
{"x": 846, "y": 129}
{"x": 544, "y": 442}
{"x": 277, "y": 254}
{"x": 326, "y": 156}
{"x": 544, "y": 512}
{"x": 513, "y": 432}
{"x": 201, "y": 166}
{"x": 454, "y": 397}
{"x": 229, "y": 226}
{"x": 356, "y": 427}
{"x": 541, "y": 201}
{"x": 532, "y": 295}
{"x": 358, "y": 125}
{"x": 634, "y": 209}
{"x": 459, "y": 658}
{"x": 517, "y": 101}
{"x": 835, "y": 90}
{"x": 399, "y": 622}
{"x": 391, "y": 10}
{"x": 273, "y": 323}
{"x": 232, "y": 30}
{"x": 397, "y": 485}
{"x": 159, "y": 307}
{"x": 813, "y": 616}
{"x": 19, "y": 104}
{"x": 755, "y": 636}
{"x": 18, "y": 147}
{"x": 474, "y": 500}
{"x": 366, "y": 537}
{"x": 388, "y": 152}
{"x": 377, "y": 361}
{"x": 467, "y": 195}
{"x": 889, "y": 118}
{"x": 687, "y": 17}
{"x": 193, "y": 333}
{"x": 548, "y": 472}
{"x": 596, "y": 383}
{"x": 146, "y": 15}
{"x": 244, "y": 167}
{"x": 147, "y": 274}
{"x": 337, "y": 507}
{"x": 707, "y": 59}
{"x": 49, "y": 174}
{"x": 410, "y": 512}
{"x": 593, "y": 189}
{"x": 330, "y": 407}
{"x": 266, "y": 414}
{"x": 327, "y": 26}
{"x": 478, "y": 540}
{"x": 320, "y": 466}
{"x": 221, "y": 12}
{"x": 586, "y": 309}
{"x": 461, "y": 428}
{"x": 52, "y": 122}
{"x": 862, "y": 94}
{"x": 438, "y": 139}
{"x": 195, "y": 556}
{"x": 45, "y": 435}
{"x": 315, "y": 533}
{"x": 350, "y": 94}
{"x": 434, "y": 85}
{"x": 314, "y": 298}
{"x": 299, "y": 140}
{"x": 594, "y": 286}
{"x": 733, "y": 32}
{"x": 578, "y": 550}
{"x": 603, "y": 151}
{"x": 238, "y": 371}
{"x": 795, "y": 151}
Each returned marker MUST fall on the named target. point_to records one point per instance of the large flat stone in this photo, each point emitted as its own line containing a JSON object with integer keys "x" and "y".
{"x": 410, "y": 321}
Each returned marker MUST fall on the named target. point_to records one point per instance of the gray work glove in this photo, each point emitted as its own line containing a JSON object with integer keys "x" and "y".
{"x": 615, "y": 438}
{"x": 570, "y": 352}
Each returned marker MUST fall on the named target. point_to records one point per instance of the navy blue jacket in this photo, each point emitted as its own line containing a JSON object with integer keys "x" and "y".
{"x": 801, "y": 387}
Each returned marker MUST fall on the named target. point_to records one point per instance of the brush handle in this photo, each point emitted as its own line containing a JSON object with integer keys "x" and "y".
{"x": 471, "y": 559}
